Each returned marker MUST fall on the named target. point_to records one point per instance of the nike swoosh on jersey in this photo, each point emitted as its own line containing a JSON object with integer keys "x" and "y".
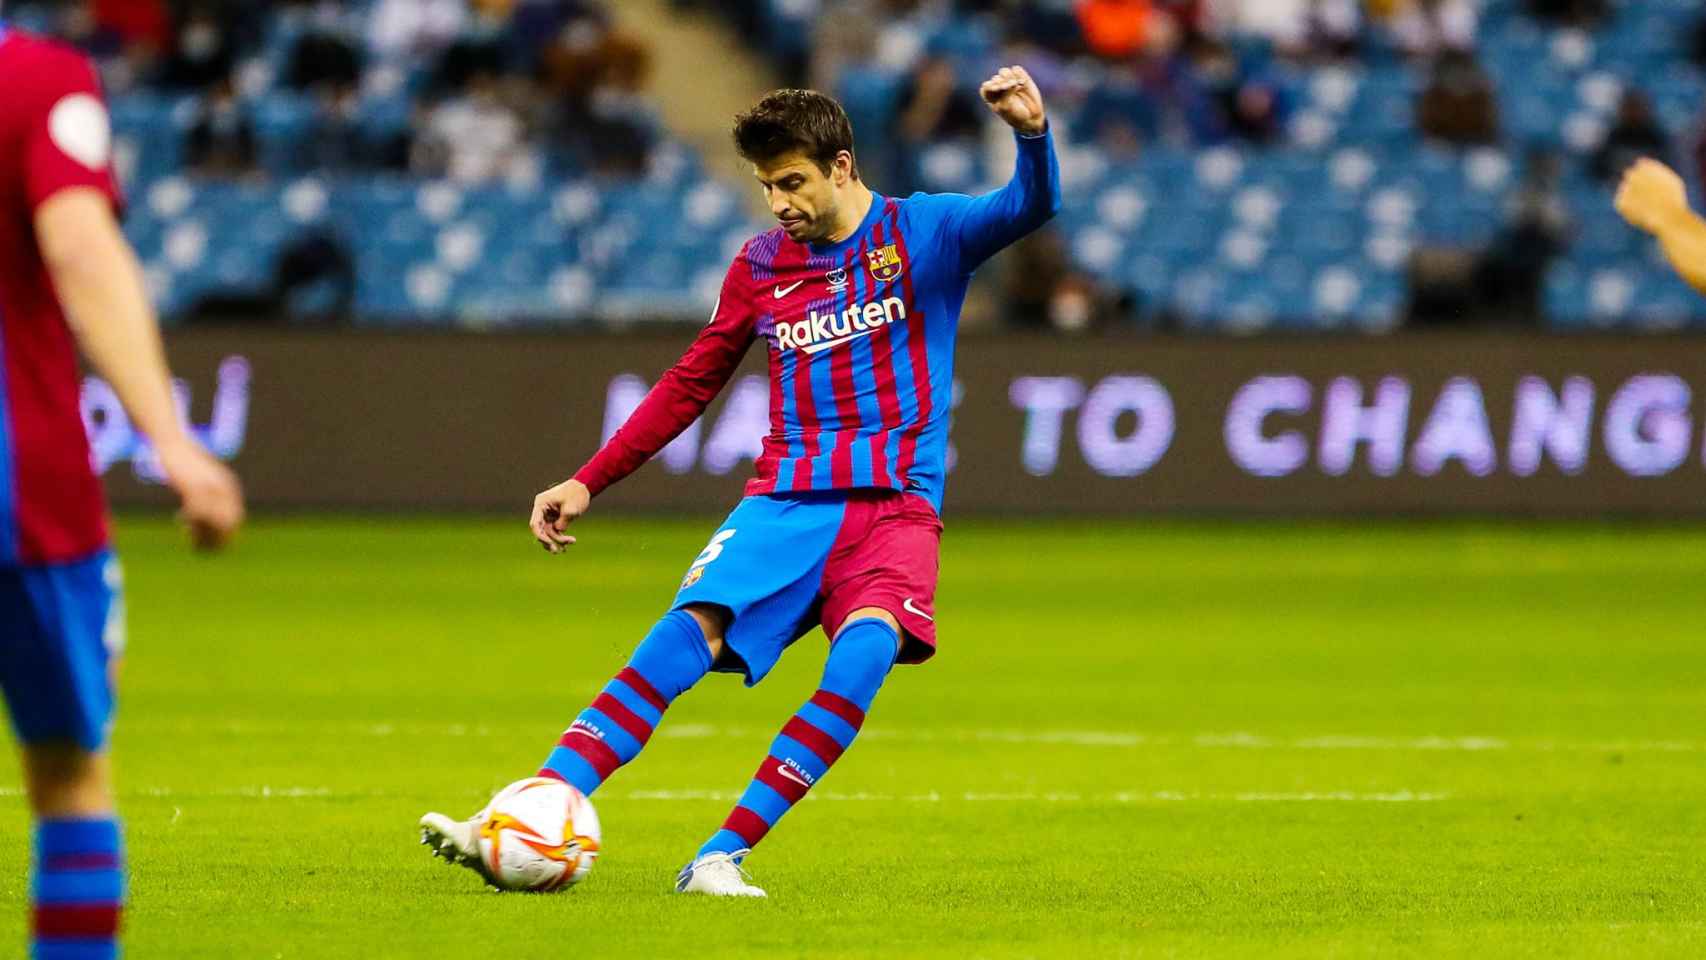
{"x": 781, "y": 292}
{"x": 909, "y": 607}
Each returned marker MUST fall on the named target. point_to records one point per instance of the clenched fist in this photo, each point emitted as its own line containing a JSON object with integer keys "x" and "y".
{"x": 1651, "y": 196}
{"x": 1014, "y": 97}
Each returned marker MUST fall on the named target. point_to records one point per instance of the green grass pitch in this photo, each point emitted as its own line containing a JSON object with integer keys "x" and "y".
{"x": 1139, "y": 740}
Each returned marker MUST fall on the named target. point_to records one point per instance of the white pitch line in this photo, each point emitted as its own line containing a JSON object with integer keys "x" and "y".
{"x": 1111, "y": 739}
{"x": 1124, "y": 797}
{"x": 262, "y": 792}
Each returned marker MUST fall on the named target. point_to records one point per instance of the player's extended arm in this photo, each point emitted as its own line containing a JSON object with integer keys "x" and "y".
{"x": 100, "y": 286}
{"x": 679, "y": 398}
{"x": 1653, "y": 198}
{"x": 987, "y": 224}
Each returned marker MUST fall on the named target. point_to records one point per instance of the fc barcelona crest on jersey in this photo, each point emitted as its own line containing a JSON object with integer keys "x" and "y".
{"x": 885, "y": 263}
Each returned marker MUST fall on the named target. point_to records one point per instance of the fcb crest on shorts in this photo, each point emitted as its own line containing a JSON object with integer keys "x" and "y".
{"x": 885, "y": 263}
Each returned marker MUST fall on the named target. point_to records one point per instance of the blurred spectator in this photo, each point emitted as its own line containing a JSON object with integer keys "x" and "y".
{"x": 1283, "y": 23}
{"x": 323, "y": 63}
{"x": 1042, "y": 290}
{"x": 933, "y": 107}
{"x": 401, "y": 28}
{"x": 1294, "y": 27}
{"x": 327, "y": 67}
{"x": 1636, "y": 134}
{"x": 1502, "y": 283}
{"x": 1251, "y": 106}
{"x": 536, "y": 24}
{"x": 77, "y": 26}
{"x": 221, "y": 140}
{"x": 473, "y": 137}
{"x": 1576, "y": 13}
{"x": 202, "y": 55}
{"x": 1458, "y": 106}
{"x": 125, "y": 38}
{"x": 603, "y": 118}
{"x": 315, "y": 278}
{"x": 1512, "y": 271}
{"x": 1117, "y": 115}
{"x": 465, "y": 59}
{"x": 144, "y": 22}
{"x": 1118, "y": 29}
{"x": 1425, "y": 28}
{"x": 1051, "y": 25}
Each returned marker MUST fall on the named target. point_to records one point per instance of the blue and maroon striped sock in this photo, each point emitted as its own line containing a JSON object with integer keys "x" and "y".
{"x": 615, "y": 728}
{"x": 76, "y": 890}
{"x": 815, "y": 737}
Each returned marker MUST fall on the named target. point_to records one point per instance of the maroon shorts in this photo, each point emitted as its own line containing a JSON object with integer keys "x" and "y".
{"x": 886, "y": 556}
{"x": 781, "y": 565}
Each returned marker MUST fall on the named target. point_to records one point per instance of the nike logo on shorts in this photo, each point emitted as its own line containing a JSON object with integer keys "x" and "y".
{"x": 911, "y": 608}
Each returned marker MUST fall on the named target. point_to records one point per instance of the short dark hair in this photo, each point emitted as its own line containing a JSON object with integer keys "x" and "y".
{"x": 786, "y": 121}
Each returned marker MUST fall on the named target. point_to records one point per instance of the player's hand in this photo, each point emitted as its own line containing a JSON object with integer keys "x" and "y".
{"x": 1651, "y": 196}
{"x": 211, "y": 496}
{"x": 555, "y": 509}
{"x": 1014, "y": 97}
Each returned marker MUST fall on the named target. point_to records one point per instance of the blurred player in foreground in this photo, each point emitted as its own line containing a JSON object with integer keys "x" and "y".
{"x": 856, "y": 297}
{"x": 64, "y": 261}
{"x": 1654, "y": 198}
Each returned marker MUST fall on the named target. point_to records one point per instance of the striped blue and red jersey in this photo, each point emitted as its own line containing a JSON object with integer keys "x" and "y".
{"x": 860, "y": 335}
{"x": 54, "y": 136}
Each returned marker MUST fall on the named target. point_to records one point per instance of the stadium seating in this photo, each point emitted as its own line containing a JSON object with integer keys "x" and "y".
{"x": 1312, "y": 232}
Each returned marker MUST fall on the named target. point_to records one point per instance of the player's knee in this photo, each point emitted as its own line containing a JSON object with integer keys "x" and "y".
{"x": 713, "y": 624}
{"x": 66, "y": 780}
{"x": 868, "y": 613}
{"x": 865, "y": 649}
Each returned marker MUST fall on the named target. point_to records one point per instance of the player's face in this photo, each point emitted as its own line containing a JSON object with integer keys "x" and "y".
{"x": 801, "y": 195}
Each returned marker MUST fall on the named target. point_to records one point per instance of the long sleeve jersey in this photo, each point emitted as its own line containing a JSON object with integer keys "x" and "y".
{"x": 861, "y": 338}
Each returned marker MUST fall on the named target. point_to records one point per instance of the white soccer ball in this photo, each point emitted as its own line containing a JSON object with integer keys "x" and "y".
{"x": 539, "y": 835}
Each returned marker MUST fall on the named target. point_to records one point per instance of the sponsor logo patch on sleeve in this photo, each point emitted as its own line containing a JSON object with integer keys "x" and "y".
{"x": 79, "y": 127}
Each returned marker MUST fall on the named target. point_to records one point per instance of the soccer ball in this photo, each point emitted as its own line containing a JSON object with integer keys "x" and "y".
{"x": 539, "y": 835}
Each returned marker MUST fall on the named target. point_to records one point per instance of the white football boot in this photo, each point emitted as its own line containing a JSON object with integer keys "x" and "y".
{"x": 455, "y": 841}
{"x": 718, "y": 875}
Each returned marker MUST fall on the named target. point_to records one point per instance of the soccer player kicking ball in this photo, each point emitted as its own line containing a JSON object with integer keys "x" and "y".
{"x": 1653, "y": 198}
{"x": 856, "y": 297}
{"x": 63, "y": 260}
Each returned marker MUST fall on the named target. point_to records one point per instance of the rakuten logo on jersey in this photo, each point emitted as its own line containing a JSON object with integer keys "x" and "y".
{"x": 820, "y": 331}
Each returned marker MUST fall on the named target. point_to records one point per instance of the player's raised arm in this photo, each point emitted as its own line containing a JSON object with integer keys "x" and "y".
{"x": 678, "y": 399}
{"x": 979, "y": 227}
{"x": 1653, "y": 198}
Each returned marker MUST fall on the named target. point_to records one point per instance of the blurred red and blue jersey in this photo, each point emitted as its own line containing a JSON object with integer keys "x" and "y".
{"x": 861, "y": 338}
{"x": 54, "y": 135}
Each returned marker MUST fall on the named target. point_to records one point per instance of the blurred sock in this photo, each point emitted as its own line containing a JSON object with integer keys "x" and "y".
{"x": 815, "y": 737}
{"x": 615, "y": 728}
{"x": 76, "y": 890}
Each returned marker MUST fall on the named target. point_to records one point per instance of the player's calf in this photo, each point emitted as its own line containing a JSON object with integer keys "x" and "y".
{"x": 608, "y": 733}
{"x": 617, "y": 725}
{"x": 77, "y": 872}
{"x": 813, "y": 739}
